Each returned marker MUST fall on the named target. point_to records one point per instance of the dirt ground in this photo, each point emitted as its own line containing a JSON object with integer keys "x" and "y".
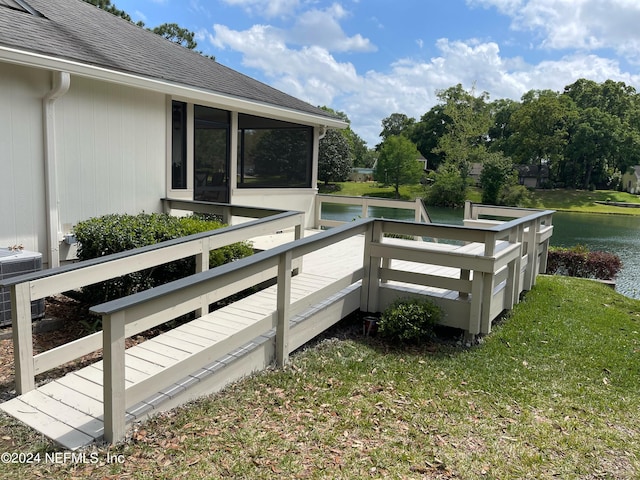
{"x": 65, "y": 320}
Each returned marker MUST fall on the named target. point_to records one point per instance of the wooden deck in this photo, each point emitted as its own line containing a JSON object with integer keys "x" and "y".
{"x": 70, "y": 410}
{"x": 349, "y": 268}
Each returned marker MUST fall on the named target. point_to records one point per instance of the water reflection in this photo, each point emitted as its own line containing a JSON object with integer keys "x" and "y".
{"x": 619, "y": 234}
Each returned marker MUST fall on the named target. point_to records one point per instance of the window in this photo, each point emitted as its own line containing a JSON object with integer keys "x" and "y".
{"x": 272, "y": 153}
{"x": 211, "y": 154}
{"x": 179, "y": 145}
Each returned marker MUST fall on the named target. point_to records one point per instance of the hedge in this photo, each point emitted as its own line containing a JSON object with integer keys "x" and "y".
{"x": 578, "y": 261}
{"x": 115, "y": 233}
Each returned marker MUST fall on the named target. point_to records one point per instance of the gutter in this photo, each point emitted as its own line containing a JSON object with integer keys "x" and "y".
{"x": 177, "y": 91}
{"x": 61, "y": 83}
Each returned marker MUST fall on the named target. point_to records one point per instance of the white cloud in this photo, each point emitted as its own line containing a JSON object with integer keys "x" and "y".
{"x": 576, "y": 24}
{"x": 268, "y": 9}
{"x": 302, "y": 60}
{"x": 317, "y": 27}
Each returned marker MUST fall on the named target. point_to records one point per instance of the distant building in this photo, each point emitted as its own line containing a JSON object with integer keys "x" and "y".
{"x": 631, "y": 180}
{"x": 529, "y": 177}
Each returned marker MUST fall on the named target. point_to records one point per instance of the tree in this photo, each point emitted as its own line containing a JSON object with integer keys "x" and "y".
{"x": 360, "y": 154}
{"x": 497, "y": 173}
{"x": 464, "y": 140}
{"x": 334, "y": 158}
{"x": 501, "y": 129}
{"x": 176, "y": 34}
{"x": 426, "y": 135}
{"x": 540, "y": 128}
{"x": 396, "y": 124}
{"x": 170, "y": 31}
{"x": 398, "y": 163}
{"x": 449, "y": 187}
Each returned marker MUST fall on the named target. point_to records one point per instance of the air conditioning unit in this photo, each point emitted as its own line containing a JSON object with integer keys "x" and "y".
{"x": 12, "y": 264}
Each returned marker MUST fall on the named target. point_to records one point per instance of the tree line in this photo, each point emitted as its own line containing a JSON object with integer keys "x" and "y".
{"x": 585, "y": 137}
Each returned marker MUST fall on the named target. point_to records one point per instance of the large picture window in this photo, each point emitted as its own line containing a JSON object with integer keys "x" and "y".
{"x": 273, "y": 153}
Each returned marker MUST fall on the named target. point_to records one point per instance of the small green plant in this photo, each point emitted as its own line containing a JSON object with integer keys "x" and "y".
{"x": 409, "y": 320}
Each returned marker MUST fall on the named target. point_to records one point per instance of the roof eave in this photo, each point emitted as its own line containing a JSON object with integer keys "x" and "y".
{"x": 242, "y": 105}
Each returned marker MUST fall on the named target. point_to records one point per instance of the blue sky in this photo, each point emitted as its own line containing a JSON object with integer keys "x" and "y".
{"x": 372, "y": 58}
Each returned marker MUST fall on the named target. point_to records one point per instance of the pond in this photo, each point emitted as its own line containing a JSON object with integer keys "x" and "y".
{"x": 619, "y": 234}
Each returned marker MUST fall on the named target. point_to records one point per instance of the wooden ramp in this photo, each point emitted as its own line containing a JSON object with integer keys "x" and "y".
{"x": 338, "y": 277}
{"x": 70, "y": 410}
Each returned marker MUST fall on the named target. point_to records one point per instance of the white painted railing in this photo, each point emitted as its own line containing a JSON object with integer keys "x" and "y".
{"x": 536, "y": 235}
{"x": 494, "y": 264}
{"x": 166, "y": 302}
{"x": 491, "y": 256}
{"x": 420, "y": 213}
{"x": 31, "y": 287}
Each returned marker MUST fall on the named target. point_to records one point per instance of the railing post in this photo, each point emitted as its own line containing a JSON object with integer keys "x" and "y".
{"x": 283, "y": 304}
{"x": 22, "y": 337}
{"x": 532, "y": 255}
{"x": 369, "y": 301}
{"x": 468, "y": 210}
{"x": 297, "y": 235}
{"x": 365, "y": 207}
{"x": 114, "y": 377}
{"x": 202, "y": 265}
{"x": 477, "y": 294}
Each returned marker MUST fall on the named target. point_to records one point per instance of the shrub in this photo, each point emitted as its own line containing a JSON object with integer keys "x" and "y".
{"x": 409, "y": 320}
{"x": 115, "y": 233}
{"x": 578, "y": 261}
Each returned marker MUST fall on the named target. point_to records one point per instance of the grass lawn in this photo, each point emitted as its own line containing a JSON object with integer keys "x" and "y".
{"x": 553, "y": 392}
{"x": 561, "y": 200}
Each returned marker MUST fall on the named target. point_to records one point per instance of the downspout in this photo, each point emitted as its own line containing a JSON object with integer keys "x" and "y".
{"x": 61, "y": 82}
{"x": 322, "y": 132}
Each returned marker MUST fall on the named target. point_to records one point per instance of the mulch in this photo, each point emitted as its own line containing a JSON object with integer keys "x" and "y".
{"x": 66, "y": 320}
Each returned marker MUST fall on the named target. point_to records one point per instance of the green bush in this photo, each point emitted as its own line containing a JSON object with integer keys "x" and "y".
{"x": 115, "y": 233}
{"x": 409, "y": 320}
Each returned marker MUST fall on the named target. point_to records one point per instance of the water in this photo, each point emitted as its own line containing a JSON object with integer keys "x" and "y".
{"x": 619, "y": 234}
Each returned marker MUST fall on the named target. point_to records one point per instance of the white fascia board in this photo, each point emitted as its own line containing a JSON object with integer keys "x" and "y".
{"x": 191, "y": 94}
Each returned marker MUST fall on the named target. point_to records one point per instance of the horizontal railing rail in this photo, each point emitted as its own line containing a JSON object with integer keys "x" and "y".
{"x": 420, "y": 212}
{"x": 163, "y": 303}
{"x": 34, "y": 286}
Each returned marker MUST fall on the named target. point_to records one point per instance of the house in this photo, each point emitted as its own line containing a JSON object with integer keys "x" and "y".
{"x": 631, "y": 180}
{"x": 98, "y": 116}
{"x": 533, "y": 176}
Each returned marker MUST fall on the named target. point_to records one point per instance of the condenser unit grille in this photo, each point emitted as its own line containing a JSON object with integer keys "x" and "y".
{"x": 14, "y": 263}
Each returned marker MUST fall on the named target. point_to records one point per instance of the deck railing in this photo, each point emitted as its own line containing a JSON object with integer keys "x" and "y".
{"x": 420, "y": 212}
{"x": 166, "y": 302}
{"x": 492, "y": 266}
{"x": 492, "y": 256}
{"x": 35, "y": 286}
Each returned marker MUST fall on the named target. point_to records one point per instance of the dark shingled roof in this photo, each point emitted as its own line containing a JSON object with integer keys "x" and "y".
{"x": 75, "y": 30}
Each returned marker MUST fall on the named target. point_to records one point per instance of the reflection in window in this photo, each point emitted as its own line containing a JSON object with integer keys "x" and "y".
{"x": 210, "y": 154}
{"x": 273, "y": 153}
{"x": 179, "y": 145}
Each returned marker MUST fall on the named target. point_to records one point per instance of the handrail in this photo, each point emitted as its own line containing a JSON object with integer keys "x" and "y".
{"x": 420, "y": 212}
{"x": 186, "y": 294}
{"x": 34, "y": 286}
{"x": 489, "y": 255}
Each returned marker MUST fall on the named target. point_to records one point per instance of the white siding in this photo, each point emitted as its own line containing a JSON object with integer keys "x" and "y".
{"x": 110, "y": 154}
{"x": 111, "y": 150}
{"x": 22, "y": 219}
